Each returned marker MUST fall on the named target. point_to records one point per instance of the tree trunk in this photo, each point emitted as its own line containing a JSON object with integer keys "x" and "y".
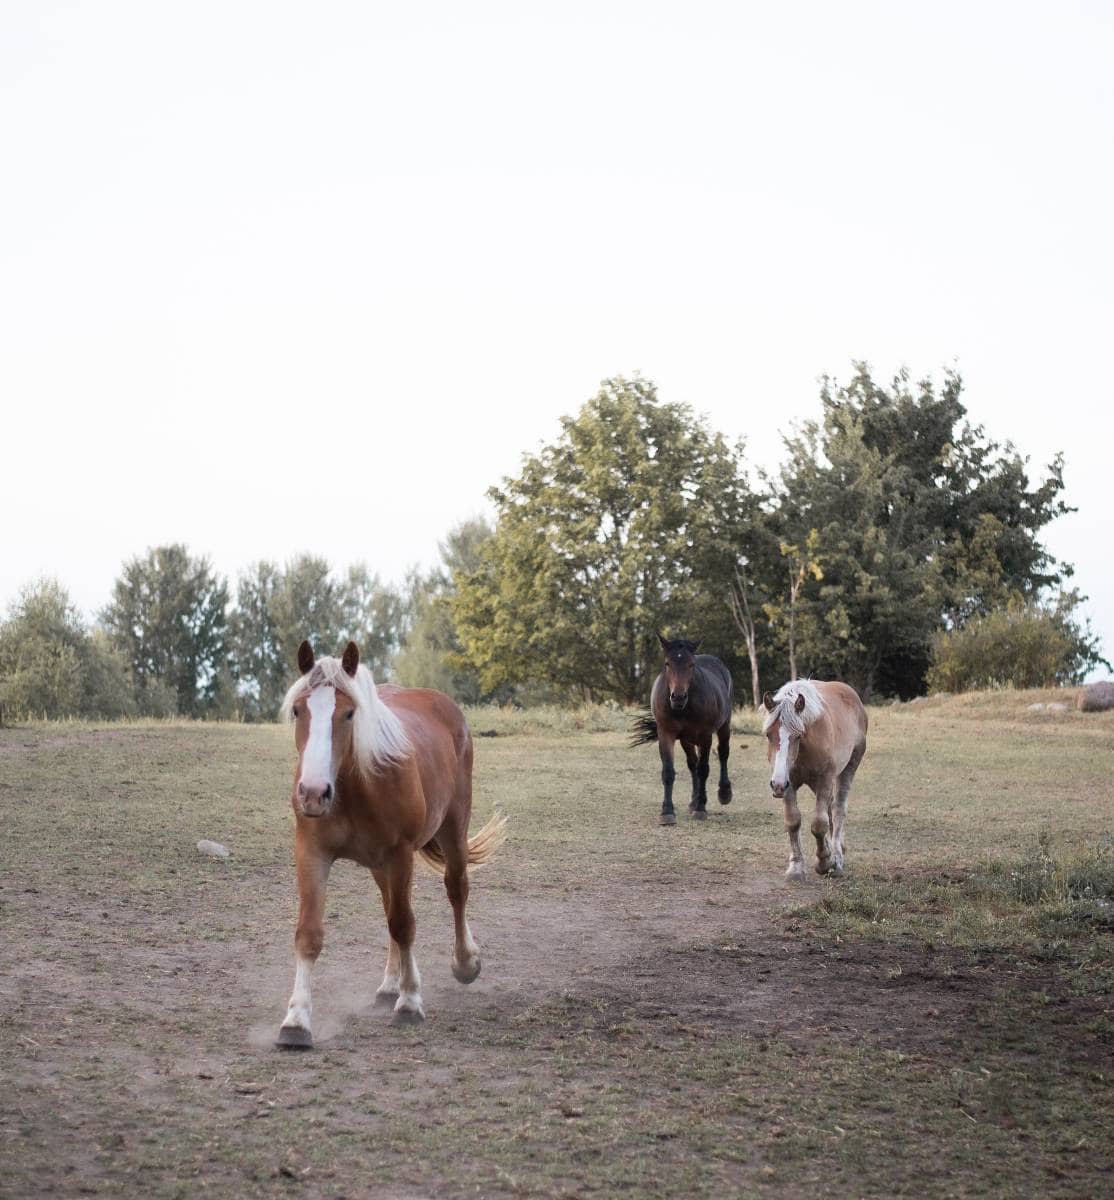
{"x": 739, "y": 604}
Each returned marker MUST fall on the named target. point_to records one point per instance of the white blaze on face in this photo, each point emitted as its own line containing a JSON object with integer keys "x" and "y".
{"x": 780, "y": 777}
{"x": 317, "y": 758}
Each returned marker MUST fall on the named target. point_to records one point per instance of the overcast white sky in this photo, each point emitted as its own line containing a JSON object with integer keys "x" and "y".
{"x": 312, "y": 277}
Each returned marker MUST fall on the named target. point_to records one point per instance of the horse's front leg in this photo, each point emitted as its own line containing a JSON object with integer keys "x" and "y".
{"x": 668, "y": 774}
{"x": 723, "y": 749}
{"x": 313, "y": 872}
{"x": 822, "y": 826}
{"x": 703, "y": 770}
{"x": 796, "y": 868}
{"x": 402, "y": 926}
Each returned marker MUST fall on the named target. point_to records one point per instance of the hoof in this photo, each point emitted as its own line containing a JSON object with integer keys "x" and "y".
{"x": 698, "y": 814}
{"x": 823, "y": 866}
{"x": 408, "y": 1016}
{"x": 836, "y": 871}
{"x": 467, "y": 973}
{"x": 724, "y": 795}
{"x": 667, "y": 819}
{"x": 383, "y": 998}
{"x": 796, "y": 872}
{"x": 294, "y": 1037}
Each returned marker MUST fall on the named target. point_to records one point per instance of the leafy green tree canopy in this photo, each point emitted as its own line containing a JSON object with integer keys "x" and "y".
{"x": 167, "y": 616}
{"x": 277, "y": 607}
{"x": 51, "y": 665}
{"x": 920, "y": 521}
{"x": 625, "y": 525}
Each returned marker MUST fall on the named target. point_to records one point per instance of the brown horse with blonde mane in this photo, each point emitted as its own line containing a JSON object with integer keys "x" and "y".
{"x": 383, "y": 773}
{"x": 815, "y": 735}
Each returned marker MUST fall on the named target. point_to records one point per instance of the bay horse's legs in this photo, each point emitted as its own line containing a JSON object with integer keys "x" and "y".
{"x": 668, "y": 774}
{"x": 723, "y": 749}
{"x": 387, "y": 992}
{"x": 845, "y": 778}
{"x": 693, "y": 761}
{"x": 703, "y": 769}
{"x": 466, "y": 954}
{"x": 312, "y": 872}
{"x": 821, "y": 825}
{"x": 401, "y": 923}
{"x": 796, "y": 868}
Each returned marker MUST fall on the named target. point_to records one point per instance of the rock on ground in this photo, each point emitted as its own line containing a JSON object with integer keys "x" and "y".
{"x": 1097, "y": 697}
{"x": 213, "y": 848}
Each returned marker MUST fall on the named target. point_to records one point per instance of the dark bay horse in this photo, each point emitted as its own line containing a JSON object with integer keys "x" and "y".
{"x": 815, "y": 736}
{"x": 691, "y": 701}
{"x": 383, "y": 773}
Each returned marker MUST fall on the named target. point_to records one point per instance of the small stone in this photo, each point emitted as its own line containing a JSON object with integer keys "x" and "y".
{"x": 213, "y": 848}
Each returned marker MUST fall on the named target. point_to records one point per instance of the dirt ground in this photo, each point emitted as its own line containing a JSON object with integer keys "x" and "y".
{"x": 657, "y": 1014}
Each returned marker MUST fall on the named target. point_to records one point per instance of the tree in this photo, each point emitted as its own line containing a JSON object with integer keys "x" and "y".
{"x": 431, "y": 654}
{"x": 276, "y": 608}
{"x": 167, "y": 616}
{"x": 921, "y": 521}
{"x": 624, "y": 526}
{"x": 52, "y": 666}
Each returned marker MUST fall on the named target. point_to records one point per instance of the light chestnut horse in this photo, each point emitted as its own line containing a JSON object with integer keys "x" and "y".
{"x": 383, "y": 773}
{"x": 815, "y": 735}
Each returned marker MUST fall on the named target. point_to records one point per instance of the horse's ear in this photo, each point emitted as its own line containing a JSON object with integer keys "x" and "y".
{"x": 350, "y": 659}
{"x": 305, "y": 658}
{"x": 768, "y": 701}
{"x": 799, "y": 703}
{"x": 664, "y": 641}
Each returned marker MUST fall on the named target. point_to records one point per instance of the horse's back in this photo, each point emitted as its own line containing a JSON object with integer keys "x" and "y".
{"x": 437, "y": 728}
{"x": 716, "y": 669}
{"x": 846, "y": 710}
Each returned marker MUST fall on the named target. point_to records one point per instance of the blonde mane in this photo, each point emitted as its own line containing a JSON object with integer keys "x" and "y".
{"x": 785, "y": 709}
{"x": 378, "y": 738}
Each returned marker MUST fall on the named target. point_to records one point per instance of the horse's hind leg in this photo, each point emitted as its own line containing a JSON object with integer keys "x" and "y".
{"x": 401, "y": 923}
{"x": 692, "y": 759}
{"x": 822, "y": 826}
{"x": 839, "y": 815}
{"x": 387, "y": 992}
{"x": 703, "y": 770}
{"x": 466, "y": 954}
{"x": 723, "y": 748}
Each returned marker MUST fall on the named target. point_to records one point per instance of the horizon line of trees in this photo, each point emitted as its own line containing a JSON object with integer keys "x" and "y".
{"x": 896, "y": 547}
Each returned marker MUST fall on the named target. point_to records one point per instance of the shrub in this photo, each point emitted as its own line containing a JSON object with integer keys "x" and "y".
{"x": 1023, "y": 645}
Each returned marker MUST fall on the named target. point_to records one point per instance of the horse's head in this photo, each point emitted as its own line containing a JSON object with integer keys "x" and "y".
{"x": 680, "y": 666}
{"x": 783, "y": 742}
{"x": 322, "y": 708}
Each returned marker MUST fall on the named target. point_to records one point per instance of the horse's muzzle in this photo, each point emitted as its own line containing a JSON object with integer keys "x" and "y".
{"x": 678, "y": 704}
{"x": 315, "y": 801}
{"x": 778, "y": 789}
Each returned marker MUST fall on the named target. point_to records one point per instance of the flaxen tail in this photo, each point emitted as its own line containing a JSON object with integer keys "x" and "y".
{"x": 481, "y": 848}
{"x": 644, "y": 729}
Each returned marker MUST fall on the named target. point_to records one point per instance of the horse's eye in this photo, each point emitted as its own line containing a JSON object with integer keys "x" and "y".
{"x": 350, "y": 714}
{"x": 295, "y": 714}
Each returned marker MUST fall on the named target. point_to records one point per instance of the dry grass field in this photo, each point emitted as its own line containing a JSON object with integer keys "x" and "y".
{"x": 659, "y": 1013}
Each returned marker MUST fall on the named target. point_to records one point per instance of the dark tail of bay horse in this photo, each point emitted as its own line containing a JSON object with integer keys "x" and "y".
{"x": 644, "y": 729}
